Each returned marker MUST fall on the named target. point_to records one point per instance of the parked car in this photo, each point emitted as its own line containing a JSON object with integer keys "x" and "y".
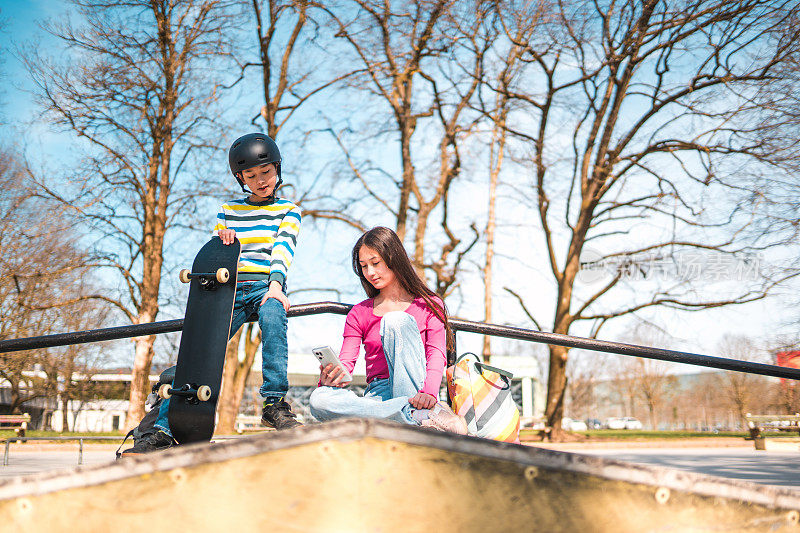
{"x": 623, "y": 422}
{"x": 615, "y": 422}
{"x": 593, "y": 423}
{"x": 632, "y": 423}
{"x": 573, "y": 425}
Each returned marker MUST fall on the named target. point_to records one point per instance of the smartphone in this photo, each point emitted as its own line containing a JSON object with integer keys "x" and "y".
{"x": 326, "y": 357}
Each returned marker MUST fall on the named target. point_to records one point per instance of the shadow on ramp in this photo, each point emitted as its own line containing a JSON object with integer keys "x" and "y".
{"x": 370, "y": 476}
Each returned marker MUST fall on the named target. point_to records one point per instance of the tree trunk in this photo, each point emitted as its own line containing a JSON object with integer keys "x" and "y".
{"x": 140, "y": 374}
{"x": 64, "y": 414}
{"x": 228, "y": 406}
{"x": 419, "y": 239}
{"x": 140, "y": 380}
{"x": 234, "y": 378}
{"x": 16, "y": 397}
{"x": 406, "y": 131}
{"x": 66, "y": 395}
{"x": 556, "y": 390}
{"x": 494, "y": 173}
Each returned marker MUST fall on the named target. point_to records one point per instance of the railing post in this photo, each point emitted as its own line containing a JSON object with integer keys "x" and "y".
{"x": 5, "y": 454}
{"x": 80, "y": 451}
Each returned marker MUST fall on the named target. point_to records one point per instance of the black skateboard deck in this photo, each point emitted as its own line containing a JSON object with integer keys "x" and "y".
{"x": 201, "y": 356}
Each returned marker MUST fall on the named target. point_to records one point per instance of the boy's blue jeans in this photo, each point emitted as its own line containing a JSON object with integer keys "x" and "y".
{"x": 274, "y": 349}
{"x": 384, "y": 397}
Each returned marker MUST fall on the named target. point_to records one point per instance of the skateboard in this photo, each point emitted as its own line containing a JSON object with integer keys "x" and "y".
{"x": 201, "y": 356}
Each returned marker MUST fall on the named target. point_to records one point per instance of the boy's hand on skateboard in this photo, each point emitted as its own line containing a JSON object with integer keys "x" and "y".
{"x": 422, "y": 400}
{"x": 276, "y": 291}
{"x": 331, "y": 376}
{"x": 227, "y": 236}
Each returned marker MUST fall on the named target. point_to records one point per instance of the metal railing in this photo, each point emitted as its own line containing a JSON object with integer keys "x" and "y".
{"x": 457, "y": 324}
{"x": 80, "y": 440}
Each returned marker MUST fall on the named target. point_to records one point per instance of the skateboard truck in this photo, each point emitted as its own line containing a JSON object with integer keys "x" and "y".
{"x": 208, "y": 280}
{"x": 191, "y": 391}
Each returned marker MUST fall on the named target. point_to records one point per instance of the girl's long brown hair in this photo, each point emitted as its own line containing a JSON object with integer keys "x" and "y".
{"x": 390, "y": 248}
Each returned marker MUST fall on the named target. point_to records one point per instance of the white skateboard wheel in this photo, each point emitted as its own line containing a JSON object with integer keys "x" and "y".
{"x": 163, "y": 391}
{"x": 184, "y": 275}
{"x": 223, "y": 275}
{"x": 203, "y": 393}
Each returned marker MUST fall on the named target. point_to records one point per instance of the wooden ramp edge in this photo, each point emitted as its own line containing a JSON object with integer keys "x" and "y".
{"x": 371, "y": 476}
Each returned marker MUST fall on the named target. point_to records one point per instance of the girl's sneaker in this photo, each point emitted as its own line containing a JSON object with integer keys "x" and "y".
{"x": 443, "y": 418}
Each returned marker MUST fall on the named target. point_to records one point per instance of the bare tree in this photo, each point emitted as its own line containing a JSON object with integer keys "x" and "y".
{"x": 586, "y": 372}
{"x": 68, "y": 368}
{"x": 43, "y": 278}
{"x": 289, "y": 79}
{"x": 739, "y": 388}
{"x": 525, "y": 25}
{"x": 422, "y": 62}
{"x": 777, "y": 130}
{"x": 654, "y": 384}
{"x": 138, "y": 95}
{"x": 624, "y": 385}
{"x": 625, "y": 110}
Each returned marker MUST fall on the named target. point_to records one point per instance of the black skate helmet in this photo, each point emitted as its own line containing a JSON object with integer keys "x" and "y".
{"x": 253, "y": 150}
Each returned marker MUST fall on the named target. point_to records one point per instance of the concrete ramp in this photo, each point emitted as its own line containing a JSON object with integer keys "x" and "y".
{"x": 376, "y": 476}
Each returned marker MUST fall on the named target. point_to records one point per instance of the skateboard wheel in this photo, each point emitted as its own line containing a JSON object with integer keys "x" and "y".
{"x": 184, "y": 275}
{"x": 223, "y": 275}
{"x": 163, "y": 391}
{"x": 203, "y": 393}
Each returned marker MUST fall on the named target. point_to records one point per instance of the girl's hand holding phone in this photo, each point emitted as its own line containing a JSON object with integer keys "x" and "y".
{"x": 331, "y": 376}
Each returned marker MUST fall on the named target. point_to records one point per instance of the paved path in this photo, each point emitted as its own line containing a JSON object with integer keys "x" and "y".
{"x": 21, "y": 462}
{"x": 769, "y": 468}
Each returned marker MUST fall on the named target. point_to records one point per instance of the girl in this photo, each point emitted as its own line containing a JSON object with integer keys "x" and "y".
{"x": 403, "y": 326}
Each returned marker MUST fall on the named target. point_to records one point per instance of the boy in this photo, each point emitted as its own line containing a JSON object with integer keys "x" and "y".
{"x": 267, "y": 228}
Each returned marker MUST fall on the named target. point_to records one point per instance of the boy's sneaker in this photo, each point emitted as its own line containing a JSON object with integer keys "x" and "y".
{"x": 278, "y": 415}
{"x": 150, "y": 443}
{"x": 443, "y": 418}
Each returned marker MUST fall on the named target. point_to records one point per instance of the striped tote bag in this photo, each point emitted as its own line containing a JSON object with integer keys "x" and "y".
{"x": 482, "y": 395}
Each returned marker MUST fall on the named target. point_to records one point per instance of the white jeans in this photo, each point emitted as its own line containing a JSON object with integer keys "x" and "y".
{"x": 384, "y": 398}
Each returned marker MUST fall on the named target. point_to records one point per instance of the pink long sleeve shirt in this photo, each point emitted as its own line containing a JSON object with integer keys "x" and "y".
{"x": 362, "y": 325}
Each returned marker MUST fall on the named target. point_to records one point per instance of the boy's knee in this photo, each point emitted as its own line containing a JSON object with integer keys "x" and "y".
{"x": 272, "y": 304}
{"x": 272, "y": 314}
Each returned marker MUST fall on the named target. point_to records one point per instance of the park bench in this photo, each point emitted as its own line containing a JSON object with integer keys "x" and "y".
{"x": 248, "y": 423}
{"x": 756, "y": 424}
{"x": 19, "y": 423}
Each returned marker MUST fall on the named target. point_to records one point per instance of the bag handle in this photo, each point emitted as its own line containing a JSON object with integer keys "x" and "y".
{"x": 480, "y": 365}
{"x": 500, "y": 371}
{"x": 463, "y": 355}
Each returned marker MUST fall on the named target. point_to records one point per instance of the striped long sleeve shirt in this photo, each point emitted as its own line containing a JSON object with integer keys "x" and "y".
{"x": 268, "y": 233}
